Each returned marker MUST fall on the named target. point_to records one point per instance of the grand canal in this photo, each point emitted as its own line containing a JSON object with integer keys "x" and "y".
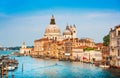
{"x": 41, "y": 68}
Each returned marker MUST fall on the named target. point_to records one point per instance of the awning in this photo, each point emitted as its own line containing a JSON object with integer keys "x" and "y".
{"x": 84, "y": 58}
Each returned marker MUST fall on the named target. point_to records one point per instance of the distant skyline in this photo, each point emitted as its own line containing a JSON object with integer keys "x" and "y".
{"x": 26, "y": 20}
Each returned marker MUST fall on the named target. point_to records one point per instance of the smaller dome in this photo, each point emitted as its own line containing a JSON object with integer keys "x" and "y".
{"x": 67, "y": 32}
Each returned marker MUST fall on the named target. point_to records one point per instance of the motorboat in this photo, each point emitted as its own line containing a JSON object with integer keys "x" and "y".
{"x": 9, "y": 68}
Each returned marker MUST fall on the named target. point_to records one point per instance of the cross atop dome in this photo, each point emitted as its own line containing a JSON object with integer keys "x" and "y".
{"x": 52, "y": 20}
{"x": 53, "y": 17}
{"x": 67, "y": 27}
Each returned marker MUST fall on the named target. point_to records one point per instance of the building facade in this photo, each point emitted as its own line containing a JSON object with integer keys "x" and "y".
{"x": 114, "y": 46}
{"x": 24, "y": 50}
{"x": 55, "y": 45}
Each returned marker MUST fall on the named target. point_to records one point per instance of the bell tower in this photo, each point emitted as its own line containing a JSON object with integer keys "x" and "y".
{"x": 73, "y": 30}
{"x": 23, "y": 45}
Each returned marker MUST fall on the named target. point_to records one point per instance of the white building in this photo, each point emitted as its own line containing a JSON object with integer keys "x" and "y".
{"x": 24, "y": 50}
{"x": 88, "y": 55}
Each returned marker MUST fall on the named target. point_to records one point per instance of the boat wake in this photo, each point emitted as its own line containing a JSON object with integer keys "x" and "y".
{"x": 48, "y": 66}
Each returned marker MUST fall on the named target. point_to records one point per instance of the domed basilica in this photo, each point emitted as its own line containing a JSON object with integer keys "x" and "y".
{"x": 53, "y": 31}
{"x": 56, "y": 45}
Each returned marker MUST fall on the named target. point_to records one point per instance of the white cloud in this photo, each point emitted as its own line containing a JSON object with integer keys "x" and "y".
{"x": 101, "y": 14}
{"x": 94, "y": 15}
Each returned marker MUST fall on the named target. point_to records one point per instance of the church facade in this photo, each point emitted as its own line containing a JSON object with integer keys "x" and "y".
{"x": 55, "y": 45}
{"x": 24, "y": 50}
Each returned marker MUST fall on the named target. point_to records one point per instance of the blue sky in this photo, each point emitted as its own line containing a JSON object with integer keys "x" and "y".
{"x": 26, "y": 20}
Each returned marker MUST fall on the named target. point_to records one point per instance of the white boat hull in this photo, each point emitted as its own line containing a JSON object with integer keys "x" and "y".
{"x": 10, "y": 68}
{"x": 104, "y": 66}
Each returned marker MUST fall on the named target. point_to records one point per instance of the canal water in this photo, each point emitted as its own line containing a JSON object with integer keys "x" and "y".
{"x": 41, "y": 68}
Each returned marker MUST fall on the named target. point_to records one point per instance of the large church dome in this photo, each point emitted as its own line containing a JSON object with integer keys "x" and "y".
{"x": 52, "y": 28}
{"x": 52, "y": 31}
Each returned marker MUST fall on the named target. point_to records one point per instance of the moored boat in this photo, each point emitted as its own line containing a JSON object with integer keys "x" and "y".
{"x": 104, "y": 66}
{"x": 10, "y": 68}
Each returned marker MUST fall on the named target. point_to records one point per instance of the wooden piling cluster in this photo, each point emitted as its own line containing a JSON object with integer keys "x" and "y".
{"x": 5, "y": 63}
{"x": 4, "y": 72}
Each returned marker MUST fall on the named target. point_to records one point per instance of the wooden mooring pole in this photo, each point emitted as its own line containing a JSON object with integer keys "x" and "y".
{"x": 12, "y": 75}
{"x": 22, "y": 67}
{"x": 2, "y": 72}
{"x": 6, "y": 71}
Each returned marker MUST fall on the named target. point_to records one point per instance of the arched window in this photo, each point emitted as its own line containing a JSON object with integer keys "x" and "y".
{"x": 118, "y": 33}
{"x": 55, "y": 38}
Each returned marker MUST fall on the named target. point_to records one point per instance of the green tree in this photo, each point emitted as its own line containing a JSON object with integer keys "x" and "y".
{"x": 88, "y": 49}
{"x": 106, "y": 40}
